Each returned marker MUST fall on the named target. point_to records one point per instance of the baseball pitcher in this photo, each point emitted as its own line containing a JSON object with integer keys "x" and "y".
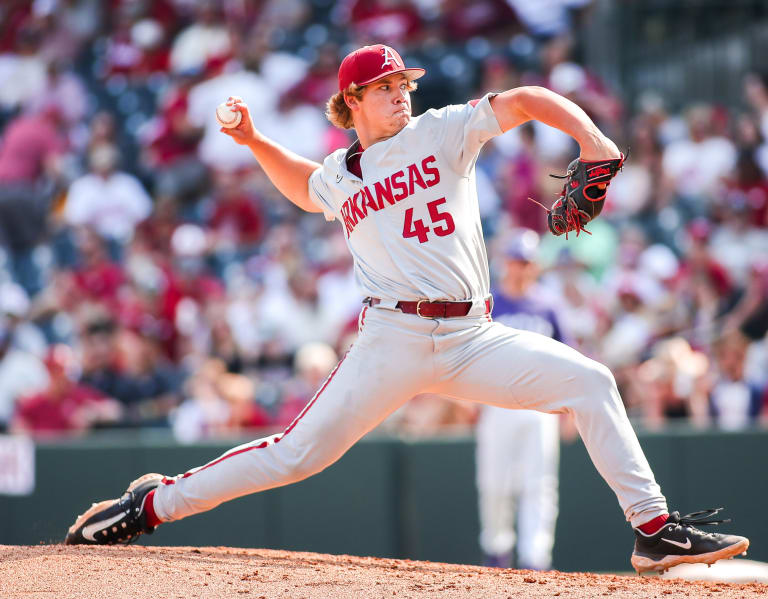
{"x": 404, "y": 195}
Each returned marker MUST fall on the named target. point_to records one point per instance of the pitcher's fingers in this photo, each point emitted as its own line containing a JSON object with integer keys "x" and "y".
{"x": 241, "y": 108}
{"x": 234, "y": 100}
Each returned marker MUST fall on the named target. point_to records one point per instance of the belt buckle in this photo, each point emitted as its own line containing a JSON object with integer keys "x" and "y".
{"x": 418, "y": 308}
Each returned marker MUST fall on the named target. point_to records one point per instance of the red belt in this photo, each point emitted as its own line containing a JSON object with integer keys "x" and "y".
{"x": 427, "y": 309}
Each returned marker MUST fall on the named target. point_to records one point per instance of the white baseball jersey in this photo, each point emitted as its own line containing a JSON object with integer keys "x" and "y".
{"x": 412, "y": 223}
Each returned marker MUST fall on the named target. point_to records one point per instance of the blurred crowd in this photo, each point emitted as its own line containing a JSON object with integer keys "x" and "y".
{"x": 151, "y": 276}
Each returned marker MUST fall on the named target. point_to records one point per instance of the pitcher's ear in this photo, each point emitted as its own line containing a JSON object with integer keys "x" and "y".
{"x": 352, "y": 102}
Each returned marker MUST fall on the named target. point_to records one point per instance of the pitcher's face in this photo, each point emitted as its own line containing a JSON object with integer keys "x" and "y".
{"x": 386, "y": 104}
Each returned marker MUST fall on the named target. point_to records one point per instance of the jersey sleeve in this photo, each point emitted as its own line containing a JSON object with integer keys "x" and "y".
{"x": 320, "y": 194}
{"x": 465, "y": 129}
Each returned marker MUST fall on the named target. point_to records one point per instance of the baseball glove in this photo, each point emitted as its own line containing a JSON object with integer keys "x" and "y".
{"x": 583, "y": 194}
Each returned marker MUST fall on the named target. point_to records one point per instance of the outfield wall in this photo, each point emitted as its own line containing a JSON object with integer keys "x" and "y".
{"x": 394, "y": 498}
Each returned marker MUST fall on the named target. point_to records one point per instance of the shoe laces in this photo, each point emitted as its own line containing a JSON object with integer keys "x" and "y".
{"x": 700, "y": 518}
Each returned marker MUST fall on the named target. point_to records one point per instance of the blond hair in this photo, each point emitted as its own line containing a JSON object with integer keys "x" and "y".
{"x": 340, "y": 114}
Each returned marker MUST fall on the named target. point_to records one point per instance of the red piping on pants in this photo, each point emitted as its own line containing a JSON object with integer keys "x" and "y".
{"x": 263, "y": 444}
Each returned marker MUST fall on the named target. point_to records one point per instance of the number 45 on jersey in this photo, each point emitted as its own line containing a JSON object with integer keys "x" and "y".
{"x": 417, "y": 228}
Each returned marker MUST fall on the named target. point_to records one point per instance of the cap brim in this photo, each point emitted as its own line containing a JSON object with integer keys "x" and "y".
{"x": 412, "y": 73}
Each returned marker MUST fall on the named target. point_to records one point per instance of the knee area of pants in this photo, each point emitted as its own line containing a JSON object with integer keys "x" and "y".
{"x": 305, "y": 465}
{"x": 597, "y": 380}
{"x": 301, "y": 471}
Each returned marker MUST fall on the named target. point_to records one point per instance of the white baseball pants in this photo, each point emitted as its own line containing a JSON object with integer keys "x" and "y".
{"x": 398, "y": 356}
{"x": 517, "y": 459}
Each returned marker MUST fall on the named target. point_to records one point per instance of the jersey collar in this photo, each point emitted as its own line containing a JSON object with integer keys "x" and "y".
{"x": 344, "y": 170}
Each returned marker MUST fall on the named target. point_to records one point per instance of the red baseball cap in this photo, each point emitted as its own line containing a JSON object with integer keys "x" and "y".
{"x": 369, "y": 63}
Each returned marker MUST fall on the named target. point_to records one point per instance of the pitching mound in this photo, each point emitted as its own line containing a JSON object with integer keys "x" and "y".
{"x": 217, "y": 572}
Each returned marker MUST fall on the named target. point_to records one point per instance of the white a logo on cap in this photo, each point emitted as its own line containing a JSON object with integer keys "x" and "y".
{"x": 390, "y": 57}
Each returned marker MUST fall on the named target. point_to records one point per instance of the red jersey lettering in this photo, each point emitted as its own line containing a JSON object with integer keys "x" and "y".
{"x": 369, "y": 201}
{"x": 358, "y": 213}
{"x": 430, "y": 171}
{"x": 384, "y": 193}
{"x": 393, "y": 189}
{"x": 415, "y": 177}
{"x": 401, "y": 185}
{"x": 348, "y": 224}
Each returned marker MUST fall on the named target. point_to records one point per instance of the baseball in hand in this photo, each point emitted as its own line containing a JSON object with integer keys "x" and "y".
{"x": 227, "y": 117}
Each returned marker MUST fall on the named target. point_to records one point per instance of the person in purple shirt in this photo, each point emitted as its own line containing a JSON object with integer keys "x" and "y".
{"x": 518, "y": 451}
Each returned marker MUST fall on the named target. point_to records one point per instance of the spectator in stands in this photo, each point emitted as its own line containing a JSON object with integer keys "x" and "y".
{"x": 320, "y": 81}
{"x": 462, "y": 21}
{"x": 65, "y": 90}
{"x": 21, "y": 373}
{"x": 394, "y": 22}
{"x": 23, "y": 72}
{"x": 204, "y": 413}
{"x": 55, "y": 307}
{"x": 571, "y": 286}
{"x": 522, "y": 182}
{"x": 112, "y": 202}
{"x": 218, "y": 403}
{"x": 546, "y": 20}
{"x": 64, "y": 405}
{"x": 170, "y": 146}
{"x": 32, "y": 147}
{"x": 206, "y": 38}
{"x": 137, "y": 46}
{"x": 236, "y": 222}
{"x": 429, "y": 414}
{"x": 153, "y": 379}
{"x": 31, "y": 158}
{"x": 223, "y": 343}
{"x": 631, "y": 329}
{"x": 122, "y": 365}
{"x": 97, "y": 277}
{"x": 735, "y": 402}
{"x": 748, "y": 187}
{"x": 293, "y": 310}
{"x": 66, "y": 26}
{"x": 750, "y": 315}
{"x": 188, "y": 288}
{"x": 702, "y": 285}
{"x": 312, "y": 364}
{"x": 672, "y": 385}
{"x": 14, "y": 310}
{"x": 102, "y": 132}
{"x": 244, "y": 413}
{"x": 574, "y": 81}
{"x": 756, "y": 95}
{"x": 697, "y": 164}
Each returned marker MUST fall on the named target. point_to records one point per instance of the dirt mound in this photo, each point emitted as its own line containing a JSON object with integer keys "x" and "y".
{"x": 212, "y": 572}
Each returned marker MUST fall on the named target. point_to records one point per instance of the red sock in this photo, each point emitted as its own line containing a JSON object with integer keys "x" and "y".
{"x": 653, "y": 526}
{"x": 149, "y": 508}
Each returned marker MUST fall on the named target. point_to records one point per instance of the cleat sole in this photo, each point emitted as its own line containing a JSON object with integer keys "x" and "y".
{"x": 645, "y": 564}
{"x": 143, "y": 479}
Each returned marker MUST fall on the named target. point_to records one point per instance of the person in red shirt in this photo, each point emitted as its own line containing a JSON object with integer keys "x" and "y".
{"x": 236, "y": 217}
{"x": 30, "y": 152}
{"x": 170, "y": 146}
{"x": 30, "y": 147}
{"x": 98, "y": 278}
{"x": 65, "y": 406}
